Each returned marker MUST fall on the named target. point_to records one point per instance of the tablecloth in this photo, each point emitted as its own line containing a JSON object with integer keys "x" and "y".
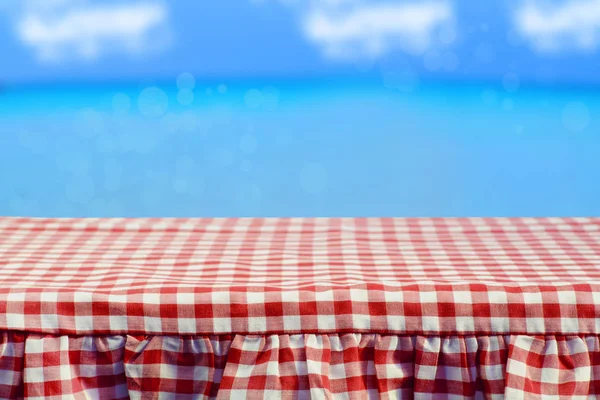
{"x": 326, "y": 308}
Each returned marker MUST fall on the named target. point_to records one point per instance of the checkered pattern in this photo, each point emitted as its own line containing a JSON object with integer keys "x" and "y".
{"x": 300, "y": 308}
{"x": 261, "y": 276}
{"x": 302, "y": 366}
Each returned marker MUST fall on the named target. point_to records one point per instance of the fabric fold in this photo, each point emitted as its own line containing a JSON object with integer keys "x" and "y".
{"x": 301, "y": 366}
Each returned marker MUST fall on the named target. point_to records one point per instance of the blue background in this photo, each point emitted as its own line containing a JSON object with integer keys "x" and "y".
{"x": 276, "y": 128}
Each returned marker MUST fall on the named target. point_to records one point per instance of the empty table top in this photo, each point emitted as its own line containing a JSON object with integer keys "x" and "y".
{"x": 300, "y": 275}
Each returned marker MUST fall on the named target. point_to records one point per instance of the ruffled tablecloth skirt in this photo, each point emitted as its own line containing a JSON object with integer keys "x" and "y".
{"x": 302, "y": 366}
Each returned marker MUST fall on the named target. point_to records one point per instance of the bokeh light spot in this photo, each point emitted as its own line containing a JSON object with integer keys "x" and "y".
{"x": 253, "y": 98}
{"x": 222, "y": 88}
{"x": 171, "y": 123}
{"x": 153, "y": 102}
{"x": 185, "y": 97}
{"x": 403, "y": 79}
{"x": 186, "y": 81}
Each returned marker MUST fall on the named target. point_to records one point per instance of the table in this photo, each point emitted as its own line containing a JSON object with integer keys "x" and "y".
{"x": 348, "y": 308}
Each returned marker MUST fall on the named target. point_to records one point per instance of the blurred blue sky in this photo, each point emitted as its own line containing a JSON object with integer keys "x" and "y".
{"x": 83, "y": 40}
{"x": 299, "y": 107}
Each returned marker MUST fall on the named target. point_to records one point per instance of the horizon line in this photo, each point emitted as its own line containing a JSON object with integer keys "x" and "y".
{"x": 344, "y": 77}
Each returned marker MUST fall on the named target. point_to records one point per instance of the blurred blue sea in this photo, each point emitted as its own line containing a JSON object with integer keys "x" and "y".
{"x": 309, "y": 147}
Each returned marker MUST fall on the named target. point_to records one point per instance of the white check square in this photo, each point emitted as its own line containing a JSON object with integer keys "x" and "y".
{"x": 222, "y": 325}
{"x": 186, "y": 325}
{"x": 153, "y": 324}
{"x": 326, "y": 322}
{"x": 428, "y": 296}
{"x": 15, "y": 321}
{"x": 117, "y": 322}
{"x": 255, "y": 297}
{"x": 220, "y": 297}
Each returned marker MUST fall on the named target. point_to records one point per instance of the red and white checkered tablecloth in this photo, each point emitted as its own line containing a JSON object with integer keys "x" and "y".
{"x": 300, "y": 308}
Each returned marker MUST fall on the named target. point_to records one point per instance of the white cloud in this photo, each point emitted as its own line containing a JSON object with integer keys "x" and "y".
{"x": 373, "y": 30}
{"x": 62, "y": 29}
{"x": 359, "y": 28}
{"x": 557, "y": 26}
